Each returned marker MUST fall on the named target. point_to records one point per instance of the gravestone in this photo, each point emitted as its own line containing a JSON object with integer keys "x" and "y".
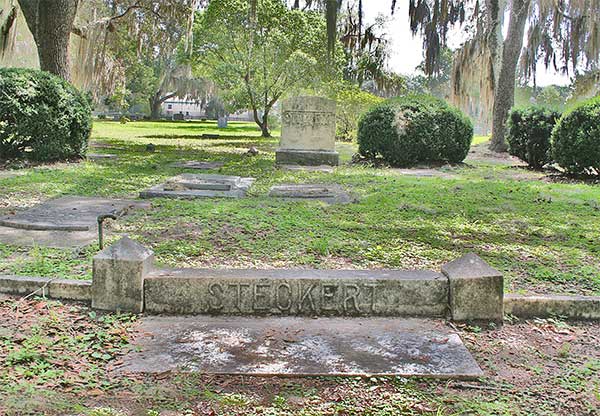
{"x": 307, "y": 132}
{"x": 101, "y": 156}
{"x": 195, "y": 164}
{"x": 300, "y": 347}
{"x": 331, "y": 194}
{"x": 222, "y": 122}
{"x": 191, "y": 186}
{"x": 62, "y": 222}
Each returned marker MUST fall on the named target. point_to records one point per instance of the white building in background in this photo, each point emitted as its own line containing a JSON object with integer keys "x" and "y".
{"x": 191, "y": 109}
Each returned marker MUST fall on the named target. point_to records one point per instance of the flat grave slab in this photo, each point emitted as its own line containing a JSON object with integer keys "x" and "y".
{"x": 300, "y": 347}
{"x": 195, "y": 164}
{"x": 62, "y": 222}
{"x": 101, "y": 156}
{"x": 329, "y": 193}
{"x": 308, "y": 168}
{"x": 191, "y": 186}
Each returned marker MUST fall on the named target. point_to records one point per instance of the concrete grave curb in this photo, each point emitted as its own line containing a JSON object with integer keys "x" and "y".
{"x": 467, "y": 290}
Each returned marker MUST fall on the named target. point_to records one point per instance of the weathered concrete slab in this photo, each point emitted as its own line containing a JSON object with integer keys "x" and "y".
{"x": 54, "y": 239}
{"x": 329, "y": 193}
{"x": 69, "y": 213}
{"x": 191, "y": 186}
{"x": 101, "y": 156}
{"x": 62, "y": 222}
{"x": 300, "y": 347}
{"x": 296, "y": 292}
{"x": 198, "y": 165}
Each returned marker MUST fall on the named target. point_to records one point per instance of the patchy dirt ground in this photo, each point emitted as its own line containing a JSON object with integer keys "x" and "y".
{"x": 58, "y": 359}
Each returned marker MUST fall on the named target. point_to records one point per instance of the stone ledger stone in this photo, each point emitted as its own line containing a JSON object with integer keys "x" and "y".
{"x": 476, "y": 289}
{"x": 308, "y": 132}
{"x": 119, "y": 272}
{"x": 300, "y": 347}
{"x": 297, "y": 292}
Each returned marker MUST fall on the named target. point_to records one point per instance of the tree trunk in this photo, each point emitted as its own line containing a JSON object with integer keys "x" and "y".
{"x": 504, "y": 94}
{"x": 155, "y": 107}
{"x": 156, "y": 102}
{"x": 50, "y": 23}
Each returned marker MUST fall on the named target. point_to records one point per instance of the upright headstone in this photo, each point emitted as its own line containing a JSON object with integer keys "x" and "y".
{"x": 222, "y": 122}
{"x": 119, "y": 272}
{"x": 308, "y": 132}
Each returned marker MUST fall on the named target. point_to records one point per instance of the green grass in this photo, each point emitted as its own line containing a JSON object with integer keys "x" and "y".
{"x": 543, "y": 236}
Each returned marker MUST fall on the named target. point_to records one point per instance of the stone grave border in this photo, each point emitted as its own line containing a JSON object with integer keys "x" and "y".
{"x": 124, "y": 279}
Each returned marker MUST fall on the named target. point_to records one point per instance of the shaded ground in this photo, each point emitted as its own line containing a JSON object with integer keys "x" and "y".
{"x": 58, "y": 359}
{"x": 544, "y": 236}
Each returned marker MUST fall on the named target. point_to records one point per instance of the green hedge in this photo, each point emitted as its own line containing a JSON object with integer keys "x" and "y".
{"x": 414, "y": 129}
{"x": 529, "y": 132}
{"x": 42, "y": 117}
{"x": 576, "y": 139}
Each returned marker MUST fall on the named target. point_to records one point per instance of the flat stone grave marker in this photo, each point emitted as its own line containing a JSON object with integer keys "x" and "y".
{"x": 102, "y": 156}
{"x": 195, "y": 164}
{"x": 301, "y": 347}
{"x": 62, "y": 222}
{"x": 190, "y": 186}
{"x": 210, "y": 136}
{"x": 329, "y": 193}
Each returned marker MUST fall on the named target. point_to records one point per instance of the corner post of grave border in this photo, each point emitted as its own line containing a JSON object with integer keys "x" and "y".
{"x": 118, "y": 276}
{"x": 476, "y": 290}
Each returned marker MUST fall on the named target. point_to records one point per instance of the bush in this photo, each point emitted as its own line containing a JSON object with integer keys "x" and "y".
{"x": 576, "y": 139}
{"x": 42, "y": 117}
{"x": 529, "y": 131}
{"x": 413, "y": 129}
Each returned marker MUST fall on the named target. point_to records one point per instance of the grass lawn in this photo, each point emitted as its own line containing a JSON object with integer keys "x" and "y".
{"x": 545, "y": 236}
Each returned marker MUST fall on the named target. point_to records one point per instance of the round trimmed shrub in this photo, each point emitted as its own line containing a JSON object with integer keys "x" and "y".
{"x": 529, "y": 132}
{"x": 576, "y": 139}
{"x": 42, "y": 117}
{"x": 414, "y": 129}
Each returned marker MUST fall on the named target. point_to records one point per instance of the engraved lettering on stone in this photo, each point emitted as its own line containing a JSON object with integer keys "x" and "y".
{"x": 372, "y": 286}
{"x": 212, "y": 290}
{"x": 307, "y": 295}
{"x": 279, "y": 298}
{"x": 260, "y": 300}
{"x": 238, "y": 294}
{"x": 351, "y": 292}
{"x": 328, "y": 297}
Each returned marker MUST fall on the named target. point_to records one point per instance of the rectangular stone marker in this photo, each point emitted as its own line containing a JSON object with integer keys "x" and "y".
{"x": 190, "y": 186}
{"x": 119, "y": 272}
{"x": 307, "y": 132}
{"x": 301, "y": 347}
{"x": 297, "y": 292}
{"x": 476, "y": 289}
{"x": 329, "y": 193}
{"x": 194, "y": 164}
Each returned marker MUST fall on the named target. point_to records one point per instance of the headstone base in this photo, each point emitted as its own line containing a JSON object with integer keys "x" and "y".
{"x": 307, "y": 157}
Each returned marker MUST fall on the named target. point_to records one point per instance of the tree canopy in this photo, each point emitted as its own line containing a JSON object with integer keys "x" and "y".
{"x": 257, "y": 54}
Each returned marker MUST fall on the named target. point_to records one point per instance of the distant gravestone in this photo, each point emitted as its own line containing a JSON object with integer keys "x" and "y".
{"x": 191, "y": 186}
{"x": 222, "y": 122}
{"x": 308, "y": 132}
{"x": 329, "y": 193}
